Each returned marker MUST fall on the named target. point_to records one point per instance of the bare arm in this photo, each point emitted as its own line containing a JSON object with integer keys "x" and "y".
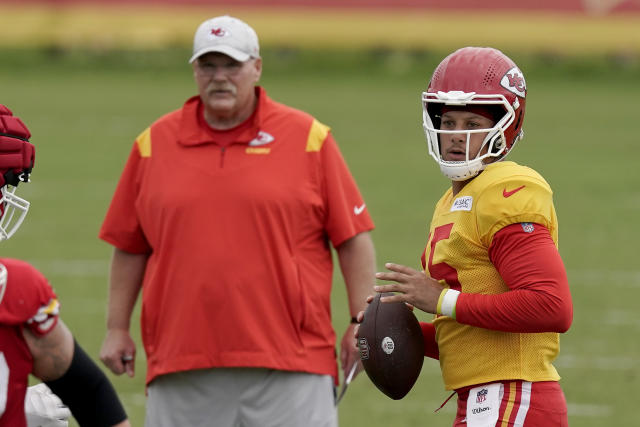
{"x": 358, "y": 265}
{"x": 53, "y": 354}
{"x": 125, "y": 281}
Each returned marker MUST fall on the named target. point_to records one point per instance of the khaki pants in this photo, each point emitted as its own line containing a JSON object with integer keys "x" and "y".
{"x": 241, "y": 397}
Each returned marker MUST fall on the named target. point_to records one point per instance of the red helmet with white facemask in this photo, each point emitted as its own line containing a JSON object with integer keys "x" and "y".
{"x": 471, "y": 78}
{"x": 17, "y": 156}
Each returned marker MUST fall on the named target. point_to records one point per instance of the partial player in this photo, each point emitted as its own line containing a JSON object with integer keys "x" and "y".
{"x": 33, "y": 339}
{"x": 491, "y": 271}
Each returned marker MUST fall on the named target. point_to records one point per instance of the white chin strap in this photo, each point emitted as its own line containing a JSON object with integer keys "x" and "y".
{"x": 465, "y": 169}
{"x": 461, "y": 171}
{"x": 14, "y": 210}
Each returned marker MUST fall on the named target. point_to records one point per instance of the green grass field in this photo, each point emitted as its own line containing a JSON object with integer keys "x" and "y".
{"x": 581, "y": 133}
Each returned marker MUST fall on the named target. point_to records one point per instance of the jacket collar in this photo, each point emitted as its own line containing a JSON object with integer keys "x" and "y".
{"x": 194, "y": 130}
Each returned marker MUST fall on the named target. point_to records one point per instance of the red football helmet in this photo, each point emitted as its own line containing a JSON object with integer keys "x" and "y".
{"x": 17, "y": 157}
{"x": 475, "y": 76}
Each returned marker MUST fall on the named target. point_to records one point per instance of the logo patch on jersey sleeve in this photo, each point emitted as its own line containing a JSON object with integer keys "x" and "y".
{"x": 527, "y": 227}
{"x": 44, "y": 321}
{"x": 462, "y": 204}
{"x": 44, "y": 318}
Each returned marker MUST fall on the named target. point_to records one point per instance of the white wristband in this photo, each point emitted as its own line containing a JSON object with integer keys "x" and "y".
{"x": 449, "y": 299}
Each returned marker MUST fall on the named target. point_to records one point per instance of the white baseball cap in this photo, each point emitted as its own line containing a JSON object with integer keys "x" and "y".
{"x": 228, "y": 35}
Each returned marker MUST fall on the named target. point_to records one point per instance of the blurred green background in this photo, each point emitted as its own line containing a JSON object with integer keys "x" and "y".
{"x": 85, "y": 107}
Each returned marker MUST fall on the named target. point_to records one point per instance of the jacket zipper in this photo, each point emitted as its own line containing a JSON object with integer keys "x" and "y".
{"x": 222, "y": 151}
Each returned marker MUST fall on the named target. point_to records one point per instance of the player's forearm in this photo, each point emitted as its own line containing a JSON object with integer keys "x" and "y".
{"x": 127, "y": 272}
{"x": 97, "y": 403}
{"x": 358, "y": 266}
{"x": 519, "y": 311}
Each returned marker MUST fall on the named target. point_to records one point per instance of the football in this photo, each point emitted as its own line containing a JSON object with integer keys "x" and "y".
{"x": 391, "y": 347}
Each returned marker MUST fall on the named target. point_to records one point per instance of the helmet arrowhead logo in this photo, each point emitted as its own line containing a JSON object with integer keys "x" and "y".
{"x": 513, "y": 81}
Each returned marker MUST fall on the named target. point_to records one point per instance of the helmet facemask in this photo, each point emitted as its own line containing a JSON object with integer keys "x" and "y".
{"x": 13, "y": 210}
{"x": 17, "y": 157}
{"x": 469, "y": 78}
{"x": 493, "y": 147}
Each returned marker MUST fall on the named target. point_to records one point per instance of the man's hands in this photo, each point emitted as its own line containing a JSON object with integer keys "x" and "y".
{"x": 349, "y": 359}
{"x": 17, "y": 155}
{"x": 411, "y": 286}
{"x": 349, "y": 353}
{"x": 118, "y": 352}
{"x": 45, "y": 409}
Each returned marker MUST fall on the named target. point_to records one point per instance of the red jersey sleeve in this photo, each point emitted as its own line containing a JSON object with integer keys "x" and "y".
{"x": 539, "y": 299}
{"x": 347, "y": 213}
{"x": 28, "y": 299}
{"x": 121, "y": 227}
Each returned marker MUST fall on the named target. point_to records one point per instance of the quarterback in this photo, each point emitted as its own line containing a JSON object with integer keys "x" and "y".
{"x": 492, "y": 275}
{"x": 33, "y": 340}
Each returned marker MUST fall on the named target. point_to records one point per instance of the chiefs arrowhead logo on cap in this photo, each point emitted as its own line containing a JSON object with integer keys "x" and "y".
{"x": 513, "y": 81}
{"x": 219, "y": 32}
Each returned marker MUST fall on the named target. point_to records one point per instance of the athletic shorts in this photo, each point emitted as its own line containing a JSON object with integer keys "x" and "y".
{"x": 241, "y": 397}
{"x": 518, "y": 403}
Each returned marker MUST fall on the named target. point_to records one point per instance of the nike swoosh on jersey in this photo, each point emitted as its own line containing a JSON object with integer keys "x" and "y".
{"x": 358, "y": 209}
{"x": 506, "y": 193}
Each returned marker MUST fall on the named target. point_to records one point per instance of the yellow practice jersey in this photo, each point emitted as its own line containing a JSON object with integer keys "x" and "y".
{"x": 457, "y": 254}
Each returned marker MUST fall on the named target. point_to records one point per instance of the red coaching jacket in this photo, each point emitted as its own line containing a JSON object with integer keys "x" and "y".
{"x": 239, "y": 235}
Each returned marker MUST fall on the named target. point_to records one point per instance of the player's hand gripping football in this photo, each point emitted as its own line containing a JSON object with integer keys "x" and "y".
{"x": 17, "y": 154}
{"x": 360, "y": 319}
{"x": 411, "y": 286}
